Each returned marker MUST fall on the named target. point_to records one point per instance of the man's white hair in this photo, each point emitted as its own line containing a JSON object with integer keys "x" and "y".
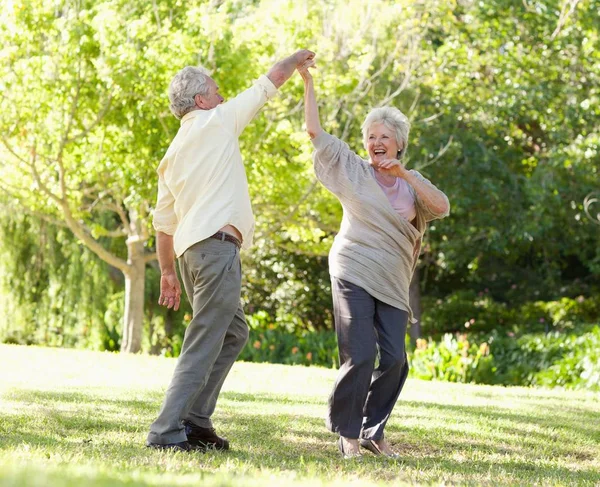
{"x": 186, "y": 84}
{"x": 393, "y": 119}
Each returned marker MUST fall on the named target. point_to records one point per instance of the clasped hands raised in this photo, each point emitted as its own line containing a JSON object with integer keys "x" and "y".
{"x": 305, "y": 63}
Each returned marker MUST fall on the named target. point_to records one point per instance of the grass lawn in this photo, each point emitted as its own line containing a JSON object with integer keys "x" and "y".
{"x": 78, "y": 418}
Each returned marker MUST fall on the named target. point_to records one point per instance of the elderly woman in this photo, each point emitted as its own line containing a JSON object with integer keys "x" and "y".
{"x": 371, "y": 263}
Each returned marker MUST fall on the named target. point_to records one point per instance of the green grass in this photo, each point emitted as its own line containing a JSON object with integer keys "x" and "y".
{"x": 77, "y": 418}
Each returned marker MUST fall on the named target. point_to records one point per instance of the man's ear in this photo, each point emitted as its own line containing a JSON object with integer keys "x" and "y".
{"x": 199, "y": 99}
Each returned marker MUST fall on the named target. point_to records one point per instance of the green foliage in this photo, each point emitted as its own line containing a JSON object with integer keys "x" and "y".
{"x": 513, "y": 90}
{"x": 293, "y": 288}
{"x": 52, "y": 291}
{"x": 569, "y": 360}
{"x": 464, "y": 310}
{"x": 297, "y": 346}
{"x": 453, "y": 359}
{"x": 467, "y": 311}
{"x": 503, "y": 101}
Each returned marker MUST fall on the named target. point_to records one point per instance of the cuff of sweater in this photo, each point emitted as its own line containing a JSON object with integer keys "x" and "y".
{"x": 322, "y": 140}
{"x": 267, "y": 85}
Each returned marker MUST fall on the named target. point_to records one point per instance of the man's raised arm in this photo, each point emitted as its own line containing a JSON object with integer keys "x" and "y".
{"x": 238, "y": 112}
{"x": 283, "y": 70}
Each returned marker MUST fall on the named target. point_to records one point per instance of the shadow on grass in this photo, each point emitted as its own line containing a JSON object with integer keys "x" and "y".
{"x": 299, "y": 442}
{"x": 269, "y": 398}
{"x": 584, "y": 424}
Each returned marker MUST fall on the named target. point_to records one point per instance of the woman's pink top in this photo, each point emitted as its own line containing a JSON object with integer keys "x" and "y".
{"x": 400, "y": 197}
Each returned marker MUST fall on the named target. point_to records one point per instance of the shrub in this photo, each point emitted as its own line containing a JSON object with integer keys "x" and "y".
{"x": 563, "y": 359}
{"x": 557, "y": 359}
{"x": 277, "y": 343}
{"x": 466, "y": 311}
{"x": 454, "y": 359}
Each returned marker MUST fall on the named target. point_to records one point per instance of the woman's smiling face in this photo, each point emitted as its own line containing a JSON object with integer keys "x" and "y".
{"x": 381, "y": 143}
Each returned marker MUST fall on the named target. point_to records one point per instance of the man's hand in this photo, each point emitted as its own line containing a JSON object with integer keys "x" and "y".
{"x": 170, "y": 291}
{"x": 281, "y": 71}
{"x": 302, "y": 56}
{"x": 392, "y": 167}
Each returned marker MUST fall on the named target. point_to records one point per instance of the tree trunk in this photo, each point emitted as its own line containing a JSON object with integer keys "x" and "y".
{"x": 133, "y": 317}
{"x": 415, "y": 305}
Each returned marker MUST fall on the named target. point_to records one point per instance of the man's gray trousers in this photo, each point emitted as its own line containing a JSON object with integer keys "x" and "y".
{"x": 211, "y": 273}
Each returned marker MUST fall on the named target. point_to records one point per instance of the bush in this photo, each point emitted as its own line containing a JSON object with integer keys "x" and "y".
{"x": 466, "y": 311}
{"x": 288, "y": 344}
{"x": 567, "y": 360}
{"x": 557, "y": 359}
{"x": 563, "y": 314}
{"x": 454, "y": 359}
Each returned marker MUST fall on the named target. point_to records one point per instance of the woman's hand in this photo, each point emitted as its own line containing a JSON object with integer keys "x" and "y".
{"x": 392, "y": 167}
{"x": 304, "y": 72}
{"x": 311, "y": 110}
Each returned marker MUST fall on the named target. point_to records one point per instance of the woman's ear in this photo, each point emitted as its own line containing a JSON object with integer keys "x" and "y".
{"x": 400, "y": 154}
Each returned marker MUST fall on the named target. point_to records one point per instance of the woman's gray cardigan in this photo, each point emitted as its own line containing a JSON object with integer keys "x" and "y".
{"x": 376, "y": 248}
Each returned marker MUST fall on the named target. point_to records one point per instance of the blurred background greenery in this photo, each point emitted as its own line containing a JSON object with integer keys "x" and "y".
{"x": 503, "y": 97}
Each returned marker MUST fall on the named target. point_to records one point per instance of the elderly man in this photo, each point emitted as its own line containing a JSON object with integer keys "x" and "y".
{"x": 203, "y": 217}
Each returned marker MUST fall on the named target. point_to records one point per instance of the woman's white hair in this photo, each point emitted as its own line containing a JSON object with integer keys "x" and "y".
{"x": 393, "y": 119}
{"x": 186, "y": 84}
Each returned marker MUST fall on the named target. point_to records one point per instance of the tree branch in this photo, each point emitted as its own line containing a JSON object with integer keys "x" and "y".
{"x": 564, "y": 16}
{"x": 98, "y": 119}
{"x": 590, "y": 200}
{"x": 118, "y": 233}
{"x": 78, "y": 229}
{"x": 156, "y": 16}
{"x": 439, "y": 155}
{"x": 25, "y": 207}
{"x": 83, "y": 234}
{"x": 65, "y": 138}
{"x": 38, "y": 180}
{"x": 118, "y": 209}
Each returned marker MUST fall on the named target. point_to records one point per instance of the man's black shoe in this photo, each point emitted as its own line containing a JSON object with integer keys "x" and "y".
{"x": 204, "y": 438}
{"x": 181, "y": 446}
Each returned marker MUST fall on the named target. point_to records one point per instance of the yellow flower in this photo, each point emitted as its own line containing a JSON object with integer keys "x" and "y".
{"x": 484, "y": 349}
{"x": 256, "y": 344}
{"x": 309, "y": 356}
{"x": 421, "y": 343}
{"x": 271, "y": 347}
{"x": 295, "y": 350}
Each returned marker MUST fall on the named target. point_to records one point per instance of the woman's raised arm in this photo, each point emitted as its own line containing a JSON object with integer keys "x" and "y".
{"x": 311, "y": 110}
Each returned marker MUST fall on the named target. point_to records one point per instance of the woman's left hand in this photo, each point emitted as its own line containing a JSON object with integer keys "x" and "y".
{"x": 392, "y": 167}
